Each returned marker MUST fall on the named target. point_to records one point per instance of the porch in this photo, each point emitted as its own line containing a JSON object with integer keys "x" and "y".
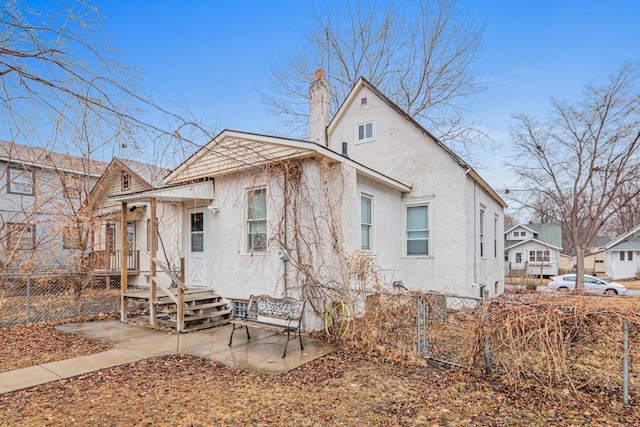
{"x": 113, "y": 260}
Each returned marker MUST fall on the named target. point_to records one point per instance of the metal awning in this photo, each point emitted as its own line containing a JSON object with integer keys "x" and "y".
{"x": 188, "y": 192}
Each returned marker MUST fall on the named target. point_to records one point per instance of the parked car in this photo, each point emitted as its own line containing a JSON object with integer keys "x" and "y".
{"x": 591, "y": 284}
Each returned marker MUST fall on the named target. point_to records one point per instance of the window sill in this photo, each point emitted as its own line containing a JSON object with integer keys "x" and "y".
{"x": 364, "y": 141}
{"x": 405, "y": 256}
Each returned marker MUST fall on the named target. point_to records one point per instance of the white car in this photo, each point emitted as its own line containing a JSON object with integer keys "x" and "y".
{"x": 591, "y": 284}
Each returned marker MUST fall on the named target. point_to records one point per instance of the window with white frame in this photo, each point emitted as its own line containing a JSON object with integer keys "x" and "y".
{"x": 481, "y": 229}
{"x": 417, "y": 231}
{"x": 366, "y": 221}
{"x": 20, "y": 236}
{"x": 539, "y": 256}
{"x": 365, "y": 132}
{"x": 20, "y": 181}
{"x": 629, "y": 255}
{"x": 495, "y": 237}
{"x": 125, "y": 181}
{"x": 257, "y": 220}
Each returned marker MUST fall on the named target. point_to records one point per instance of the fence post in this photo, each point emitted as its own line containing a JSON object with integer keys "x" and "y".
{"x": 28, "y": 301}
{"x": 418, "y": 332}
{"x": 487, "y": 336}
{"x": 625, "y": 364}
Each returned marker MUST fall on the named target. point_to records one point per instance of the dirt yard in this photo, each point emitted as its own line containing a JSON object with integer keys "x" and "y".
{"x": 348, "y": 388}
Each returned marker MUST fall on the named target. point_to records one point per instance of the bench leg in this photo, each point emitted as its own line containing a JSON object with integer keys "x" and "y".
{"x": 286, "y": 345}
{"x": 233, "y": 329}
{"x": 300, "y": 338}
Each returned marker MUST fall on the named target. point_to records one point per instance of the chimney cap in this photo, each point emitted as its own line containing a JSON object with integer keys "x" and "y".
{"x": 319, "y": 74}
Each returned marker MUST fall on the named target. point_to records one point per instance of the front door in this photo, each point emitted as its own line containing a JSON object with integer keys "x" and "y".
{"x": 196, "y": 274}
{"x": 519, "y": 261}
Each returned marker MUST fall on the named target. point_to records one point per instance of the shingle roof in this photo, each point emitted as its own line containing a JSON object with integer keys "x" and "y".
{"x": 627, "y": 245}
{"x": 152, "y": 174}
{"x": 39, "y": 157}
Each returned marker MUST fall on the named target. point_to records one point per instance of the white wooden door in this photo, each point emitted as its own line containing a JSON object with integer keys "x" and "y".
{"x": 519, "y": 260}
{"x": 196, "y": 274}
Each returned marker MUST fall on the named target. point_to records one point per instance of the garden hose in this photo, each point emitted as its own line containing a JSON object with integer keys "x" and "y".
{"x": 337, "y": 307}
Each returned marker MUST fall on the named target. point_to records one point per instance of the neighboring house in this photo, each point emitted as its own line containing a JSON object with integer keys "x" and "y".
{"x": 126, "y": 176}
{"x": 565, "y": 263}
{"x": 622, "y": 258}
{"x": 533, "y": 249}
{"x": 41, "y": 192}
{"x": 372, "y": 200}
{"x": 595, "y": 261}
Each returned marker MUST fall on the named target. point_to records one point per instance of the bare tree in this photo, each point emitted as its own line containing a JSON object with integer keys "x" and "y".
{"x": 583, "y": 159}
{"x": 419, "y": 53}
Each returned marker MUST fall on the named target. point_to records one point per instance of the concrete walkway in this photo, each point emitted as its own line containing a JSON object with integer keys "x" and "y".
{"x": 263, "y": 353}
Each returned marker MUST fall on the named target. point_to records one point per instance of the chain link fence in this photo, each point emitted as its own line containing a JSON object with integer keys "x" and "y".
{"x": 425, "y": 325}
{"x": 36, "y": 297}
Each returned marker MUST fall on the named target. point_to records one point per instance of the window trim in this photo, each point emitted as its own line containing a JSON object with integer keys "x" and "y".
{"x": 13, "y": 227}
{"x": 429, "y": 237}
{"x": 125, "y": 178}
{"x": 20, "y": 172}
{"x": 370, "y": 225}
{"x": 481, "y": 231}
{"x": 364, "y": 125}
{"x": 248, "y": 241}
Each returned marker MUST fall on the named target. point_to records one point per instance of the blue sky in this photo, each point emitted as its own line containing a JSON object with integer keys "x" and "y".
{"x": 212, "y": 56}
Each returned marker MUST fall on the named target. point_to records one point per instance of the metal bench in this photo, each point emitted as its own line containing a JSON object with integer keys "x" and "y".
{"x": 288, "y": 310}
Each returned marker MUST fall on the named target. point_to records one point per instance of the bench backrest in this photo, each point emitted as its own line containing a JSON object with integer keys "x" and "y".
{"x": 279, "y": 308}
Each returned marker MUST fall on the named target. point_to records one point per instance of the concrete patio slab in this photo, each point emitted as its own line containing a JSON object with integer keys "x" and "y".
{"x": 262, "y": 353}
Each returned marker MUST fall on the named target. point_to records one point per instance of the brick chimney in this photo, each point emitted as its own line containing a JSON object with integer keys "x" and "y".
{"x": 320, "y": 109}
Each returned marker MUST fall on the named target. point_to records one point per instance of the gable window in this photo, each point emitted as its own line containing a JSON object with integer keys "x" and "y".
{"x": 20, "y": 181}
{"x": 125, "y": 181}
{"x": 481, "y": 227}
{"x": 365, "y": 132}
{"x": 366, "y": 206}
{"x": 21, "y": 236}
{"x": 417, "y": 232}
{"x": 257, "y": 220}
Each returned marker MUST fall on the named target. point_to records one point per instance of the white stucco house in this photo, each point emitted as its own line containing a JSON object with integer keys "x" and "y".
{"x": 622, "y": 255}
{"x": 532, "y": 249}
{"x": 372, "y": 199}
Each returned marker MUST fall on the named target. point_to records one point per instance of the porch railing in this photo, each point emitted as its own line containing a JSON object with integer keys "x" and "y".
{"x": 112, "y": 260}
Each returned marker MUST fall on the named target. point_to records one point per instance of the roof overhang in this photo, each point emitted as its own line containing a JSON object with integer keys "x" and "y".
{"x": 533, "y": 241}
{"x": 203, "y": 190}
{"x": 235, "y": 152}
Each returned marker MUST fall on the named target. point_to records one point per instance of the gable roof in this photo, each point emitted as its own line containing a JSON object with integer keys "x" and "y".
{"x": 45, "y": 159}
{"x": 627, "y": 245}
{"x": 233, "y": 151}
{"x": 547, "y": 233}
{"x": 149, "y": 176}
{"x": 623, "y": 237}
{"x": 509, "y": 244}
{"x": 364, "y": 83}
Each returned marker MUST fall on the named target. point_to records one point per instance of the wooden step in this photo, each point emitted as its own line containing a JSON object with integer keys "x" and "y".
{"x": 174, "y": 309}
{"x": 163, "y": 299}
{"x": 211, "y": 314}
{"x": 205, "y": 325}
